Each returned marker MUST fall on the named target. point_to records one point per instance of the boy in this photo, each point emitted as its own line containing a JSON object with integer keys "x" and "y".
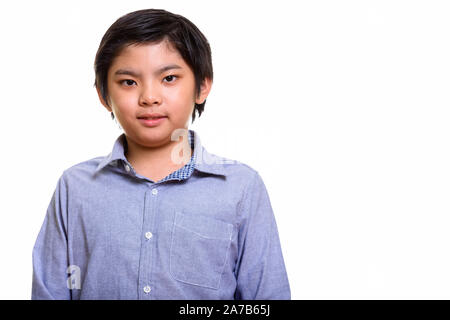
{"x": 159, "y": 217}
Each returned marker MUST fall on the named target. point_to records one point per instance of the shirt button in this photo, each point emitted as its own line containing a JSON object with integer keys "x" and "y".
{"x": 147, "y": 289}
{"x": 155, "y": 191}
{"x": 148, "y": 235}
{"x": 127, "y": 168}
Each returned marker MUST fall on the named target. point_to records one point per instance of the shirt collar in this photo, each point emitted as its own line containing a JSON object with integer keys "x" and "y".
{"x": 203, "y": 160}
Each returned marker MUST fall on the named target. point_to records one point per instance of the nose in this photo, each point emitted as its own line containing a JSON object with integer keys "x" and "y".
{"x": 150, "y": 95}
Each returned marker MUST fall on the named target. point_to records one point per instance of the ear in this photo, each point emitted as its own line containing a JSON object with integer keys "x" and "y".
{"x": 205, "y": 88}
{"x": 102, "y": 100}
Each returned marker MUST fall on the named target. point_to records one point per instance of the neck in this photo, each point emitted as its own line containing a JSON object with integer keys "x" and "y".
{"x": 158, "y": 161}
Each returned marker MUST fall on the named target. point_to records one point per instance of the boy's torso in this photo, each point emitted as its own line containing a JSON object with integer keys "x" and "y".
{"x": 176, "y": 238}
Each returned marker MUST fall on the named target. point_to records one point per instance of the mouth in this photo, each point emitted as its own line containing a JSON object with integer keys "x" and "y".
{"x": 151, "y": 121}
{"x": 151, "y": 118}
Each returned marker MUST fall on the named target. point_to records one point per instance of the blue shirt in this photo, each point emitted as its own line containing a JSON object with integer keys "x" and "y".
{"x": 206, "y": 231}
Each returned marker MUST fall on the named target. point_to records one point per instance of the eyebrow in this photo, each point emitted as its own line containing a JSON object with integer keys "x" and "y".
{"x": 137, "y": 75}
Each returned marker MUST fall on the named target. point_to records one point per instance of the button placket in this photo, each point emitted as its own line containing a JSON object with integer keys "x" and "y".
{"x": 146, "y": 265}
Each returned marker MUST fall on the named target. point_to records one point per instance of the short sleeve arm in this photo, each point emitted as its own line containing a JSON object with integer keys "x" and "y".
{"x": 260, "y": 269}
{"x": 50, "y": 254}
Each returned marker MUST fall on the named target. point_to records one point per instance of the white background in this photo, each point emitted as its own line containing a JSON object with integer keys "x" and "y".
{"x": 342, "y": 106}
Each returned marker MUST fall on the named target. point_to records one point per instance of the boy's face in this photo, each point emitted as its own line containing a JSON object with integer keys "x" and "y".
{"x": 149, "y": 89}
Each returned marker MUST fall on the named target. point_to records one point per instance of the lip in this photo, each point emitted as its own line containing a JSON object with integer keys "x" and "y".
{"x": 151, "y": 115}
{"x": 152, "y": 122}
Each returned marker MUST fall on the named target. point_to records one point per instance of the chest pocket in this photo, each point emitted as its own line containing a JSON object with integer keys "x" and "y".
{"x": 199, "y": 249}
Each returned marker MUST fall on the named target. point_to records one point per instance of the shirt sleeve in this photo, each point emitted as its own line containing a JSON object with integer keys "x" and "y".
{"x": 50, "y": 254}
{"x": 260, "y": 269}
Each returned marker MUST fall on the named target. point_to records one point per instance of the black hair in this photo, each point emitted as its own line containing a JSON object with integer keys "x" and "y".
{"x": 152, "y": 26}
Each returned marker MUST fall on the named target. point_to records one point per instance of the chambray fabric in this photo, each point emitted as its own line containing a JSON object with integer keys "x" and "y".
{"x": 206, "y": 231}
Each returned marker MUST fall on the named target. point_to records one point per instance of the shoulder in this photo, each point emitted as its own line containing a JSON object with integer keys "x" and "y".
{"x": 234, "y": 170}
{"x": 84, "y": 166}
{"x": 83, "y": 171}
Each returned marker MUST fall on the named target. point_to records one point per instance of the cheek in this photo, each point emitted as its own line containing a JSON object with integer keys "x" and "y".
{"x": 123, "y": 100}
{"x": 183, "y": 90}
{"x": 181, "y": 101}
{"x": 182, "y": 97}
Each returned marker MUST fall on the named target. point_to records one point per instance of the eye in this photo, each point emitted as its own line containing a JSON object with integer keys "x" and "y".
{"x": 170, "y": 78}
{"x": 128, "y": 82}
